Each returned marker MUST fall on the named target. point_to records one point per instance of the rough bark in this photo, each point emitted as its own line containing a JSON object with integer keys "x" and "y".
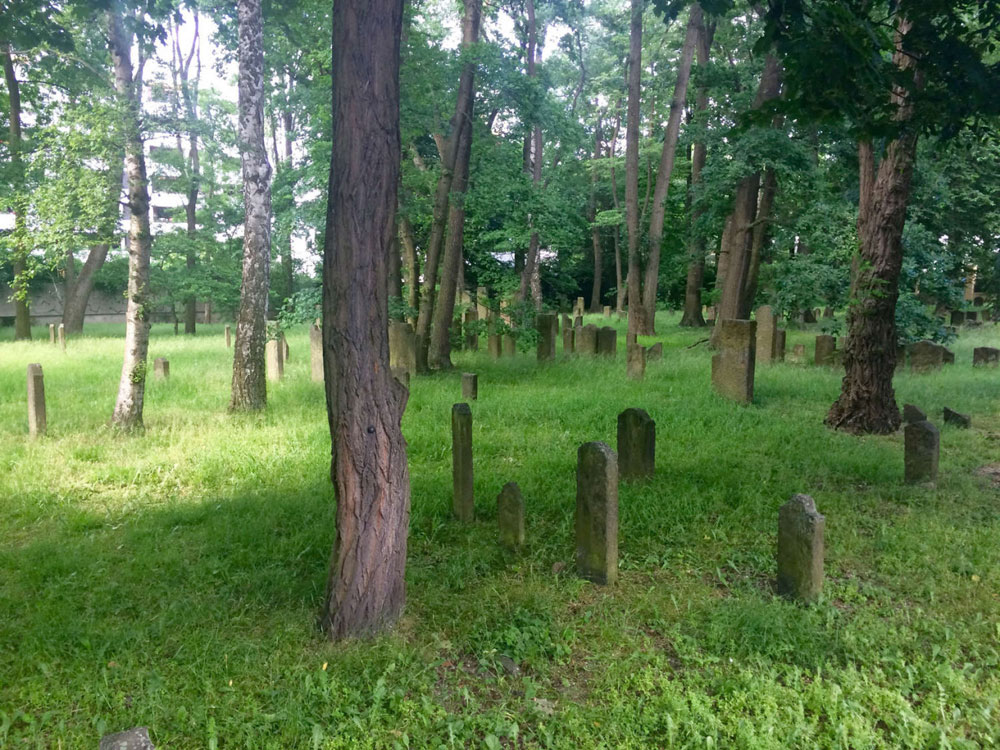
{"x": 78, "y": 290}
{"x": 616, "y": 237}
{"x": 632, "y": 166}
{"x": 533, "y": 164}
{"x": 867, "y": 402}
{"x": 595, "y": 231}
{"x": 365, "y": 403}
{"x": 128, "y": 86}
{"x": 411, "y": 263}
{"x": 22, "y": 315}
{"x": 249, "y": 389}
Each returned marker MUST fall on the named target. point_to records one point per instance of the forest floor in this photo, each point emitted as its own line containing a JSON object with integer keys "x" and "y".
{"x": 174, "y": 579}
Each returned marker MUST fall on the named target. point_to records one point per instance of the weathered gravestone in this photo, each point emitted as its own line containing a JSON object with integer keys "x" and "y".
{"x": 567, "y": 321}
{"x": 463, "y": 503}
{"x": 957, "y": 317}
{"x": 470, "y": 386}
{"x": 284, "y": 348}
{"x": 957, "y": 418}
{"x": 985, "y": 356}
{"x": 275, "y": 360}
{"x": 130, "y": 739}
{"x": 52, "y": 333}
{"x": 493, "y": 342}
{"x": 655, "y": 352}
{"x": 510, "y": 516}
{"x": 36, "y": 401}
{"x": 733, "y": 364}
{"x": 947, "y": 356}
{"x": 636, "y": 445}
{"x": 900, "y": 357}
{"x": 471, "y": 330}
{"x": 569, "y": 340}
{"x": 544, "y": 323}
{"x": 586, "y": 341}
{"x": 767, "y": 335}
{"x": 509, "y": 345}
{"x": 635, "y": 361}
{"x": 62, "y": 336}
{"x": 912, "y": 413}
{"x": 607, "y": 342}
{"x": 597, "y": 513}
{"x": 826, "y": 345}
{"x": 607, "y": 311}
{"x": 578, "y": 307}
{"x": 799, "y": 353}
{"x": 161, "y": 368}
{"x": 972, "y": 316}
{"x": 229, "y": 337}
{"x": 800, "y": 549}
{"x": 779, "y": 345}
{"x": 922, "y": 445}
{"x": 402, "y": 349}
{"x": 316, "y": 353}
{"x": 926, "y": 356}
{"x": 827, "y": 312}
{"x": 578, "y": 321}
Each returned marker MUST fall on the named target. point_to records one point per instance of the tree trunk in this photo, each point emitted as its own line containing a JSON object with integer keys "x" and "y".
{"x": 77, "y": 295}
{"x": 249, "y": 389}
{"x": 529, "y": 285}
{"x": 647, "y": 321}
{"x": 132, "y": 385}
{"x": 632, "y": 167}
{"x": 366, "y": 589}
{"x": 439, "y": 351}
{"x": 759, "y": 236}
{"x": 411, "y": 263}
{"x": 867, "y": 402}
{"x": 19, "y": 285}
{"x": 595, "y": 231}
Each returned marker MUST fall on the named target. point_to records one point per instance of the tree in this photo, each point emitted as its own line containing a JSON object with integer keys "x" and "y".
{"x": 365, "y": 404}
{"x": 22, "y": 316}
{"x": 632, "y": 166}
{"x": 249, "y": 389}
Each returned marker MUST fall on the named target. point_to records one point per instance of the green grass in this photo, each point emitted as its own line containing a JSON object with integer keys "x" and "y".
{"x": 174, "y": 579}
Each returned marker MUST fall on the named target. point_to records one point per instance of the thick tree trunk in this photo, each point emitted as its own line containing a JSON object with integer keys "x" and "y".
{"x": 632, "y": 167}
{"x": 759, "y": 237}
{"x": 78, "y": 294}
{"x": 132, "y": 385}
{"x": 529, "y": 285}
{"x": 867, "y": 402}
{"x": 22, "y": 315}
{"x": 366, "y": 589}
{"x": 411, "y": 263}
{"x": 664, "y": 173}
{"x": 249, "y": 389}
{"x": 616, "y": 237}
{"x": 595, "y": 231}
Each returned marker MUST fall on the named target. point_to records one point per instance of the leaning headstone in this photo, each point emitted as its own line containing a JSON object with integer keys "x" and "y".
{"x": 402, "y": 349}
{"x": 510, "y": 515}
{"x": 275, "y": 360}
{"x": 461, "y": 462}
{"x": 636, "y": 445}
{"x": 546, "y": 337}
{"x": 493, "y": 343}
{"x": 957, "y": 418}
{"x": 655, "y": 352}
{"x": 767, "y": 335}
{"x": 470, "y": 386}
{"x": 985, "y": 356}
{"x": 800, "y": 549}
{"x": 586, "y": 341}
{"x": 36, "y": 401}
{"x": 62, "y": 336}
{"x": 130, "y": 739}
{"x": 607, "y": 311}
{"x": 733, "y": 364}
{"x": 569, "y": 339}
{"x": 52, "y": 333}
{"x": 607, "y": 341}
{"x": 229, "y": 337}
{"x": 316, "y": 353}
{"x": 161, "y": 368}
{"x": 779, "y": 345}
{"x": 912, "y": 413}
{"x": 597, "y": 513}
{"x": 635, "y": 361}
{"x": 922, "y": 444}
{"x": 826, "y": 345}
{"x": 509, "y": 345}
{"x": 926, "y": 356}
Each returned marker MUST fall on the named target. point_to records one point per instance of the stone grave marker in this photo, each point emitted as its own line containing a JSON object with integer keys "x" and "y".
{"x": 284, "y": 348}
{"x": 636, "y": 445}
{"x": 597, "y": 513}
{"x": 402, "y": 349}
{"x": 922, "y": 445}
{"x": 546, "y": 337}
{"x": 52, "y": 333}
{"x": 985, "y": 356}
{"x": 578, "y": 321}
{"x": 912, "y": 413}
{"x": 510, "y": 516}
{"x": 826, "y": 345}
{"x": 569, "y": 340}
{"x": 470, "y": 386}
{"x": 130, "y": 739}
{"x": 800, "y": 549}
{"x": 62, "y": 336}
{"x": 926, "y": 356}
{"x": 161, "y": 368}
{"x": 779, "y": 345}
{"x": 957, "y": 418}
{"x": 471, "y": 332}
{"x": 957, "y": 317}
{"x": 607, "y": 311}
{"x": 275, "y": 360}
{"x": 607, "y": 342}
{"x": 493, "y": 343}
{"x": 36, "y": 401}
{"x": 463, "y": 503}
{"x": 586, "y": 341}
{"x": 635, "y": 361}
{"x": 799, "y": 353}
{"x": 767, "y": 335}
{"x": 316, "y": 353}
{"x": 733, "y": 364}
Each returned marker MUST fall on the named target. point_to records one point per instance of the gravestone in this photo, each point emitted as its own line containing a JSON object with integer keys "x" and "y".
{"x": 767, "y": 335}
{"x": 482, "y": 310}
{"x": 275, "y": 360}
{"x": 912, "y": 414}
{"x": 799, "y": 353}
{"x": 985, "y": 356}
{"x": 972, "y": 316}
{"x": 607, "y": 342}
{"x": 461, "y": 462}
{"x": 710, "y": 315}
{"x": 607, "y": 311}
{"x": 826, "y": 345}
{"x": 779, "y": 345}
{"x": 470, "y": 386}
{"x": 733, "y": 364}
{"x": 655, "y": 352}
{"x": 957, "y": 418}
{"x": 800, "y": 549}
{"x": 635, "y": 361}
{"x": 130, "y": 739}
{"x": 509, "y": 345}
{"x": 900, "y": 357}
{"x": 493, "y": 343}
{"x": 402, "y": 349}
{"x": 510, "y": 516}
{"x": 316, "y": 353}
{"x": 36, "y": 401}
{"x": 578, "y": 308}
{"x": 546, "y": 337}
{"x": 922, "y": 444}
{"x": 229, "y": 337}
{"x": 636, "y": 445}
{"x": 284, "y": 348}
{"x": 578, "y": 321}
{"x": 62, "y": 336}
{"x": 586, "y": 341}
{"x": 52, "y": 333}
{"x": 567, "y": 322}
{"x": 957, "y": 317}
{"x": 827, "y": 312}
{"x": 569, "y": 340}
{"x": 947, "y": 356}
{"x": 926, "y": 356}
{"x": 471, "y": 331}
{"x": 161, "y": 368}
{"x": 597, "y": 513}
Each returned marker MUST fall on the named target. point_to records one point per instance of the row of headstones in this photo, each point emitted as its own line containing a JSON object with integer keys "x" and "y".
{"x": 966, "y": 317}
{"x": 922, "y": 442}
{"x": 599, "y": 468}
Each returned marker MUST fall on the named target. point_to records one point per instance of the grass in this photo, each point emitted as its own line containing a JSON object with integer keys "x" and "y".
{"x": 173, "y": 580}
